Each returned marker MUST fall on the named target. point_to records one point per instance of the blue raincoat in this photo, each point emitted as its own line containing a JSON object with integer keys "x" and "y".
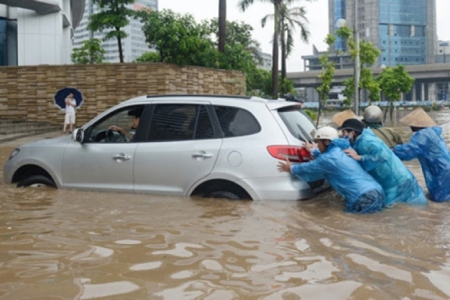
{"x": 346, "y": 177}
{"x": 398, "y": 183}
{"x": 428, "y": 146}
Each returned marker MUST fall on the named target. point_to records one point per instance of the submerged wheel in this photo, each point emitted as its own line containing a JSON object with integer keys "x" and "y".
{"x": 36, "y": 181}
{"x": 223, "y": 194}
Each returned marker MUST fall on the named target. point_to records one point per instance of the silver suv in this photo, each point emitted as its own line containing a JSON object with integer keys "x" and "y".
{"x": 185, "y": 145}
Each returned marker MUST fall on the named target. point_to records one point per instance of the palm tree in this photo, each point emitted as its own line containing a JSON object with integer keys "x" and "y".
{"x": 244, "y": 4}
{"x": 289, "y": 18}
{"x": 222, "y": 24}
{"x": 285, "y": 20}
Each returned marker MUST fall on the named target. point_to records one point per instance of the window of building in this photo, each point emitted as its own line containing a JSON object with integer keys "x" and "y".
{"x": 8, "y": 42}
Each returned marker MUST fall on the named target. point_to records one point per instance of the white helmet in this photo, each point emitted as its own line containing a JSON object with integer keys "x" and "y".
{"x": 372, "y": 114}
{"x": 326, "y": 133}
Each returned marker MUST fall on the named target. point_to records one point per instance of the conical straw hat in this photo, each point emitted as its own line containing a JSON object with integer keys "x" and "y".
{"x": 418, "y": 118}
{"x": 340, "y": 117}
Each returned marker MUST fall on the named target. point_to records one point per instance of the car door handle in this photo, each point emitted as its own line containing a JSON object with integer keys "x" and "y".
{"x": 202, "y": 154}
{"x": 121, "y": 157}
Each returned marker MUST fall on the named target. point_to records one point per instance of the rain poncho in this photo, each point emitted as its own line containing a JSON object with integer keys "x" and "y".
{"x": 398, "y": 183}
{"x": 428, "y": 146}
{"x": 346, "y": 177}
{"x": 388, "y": 135}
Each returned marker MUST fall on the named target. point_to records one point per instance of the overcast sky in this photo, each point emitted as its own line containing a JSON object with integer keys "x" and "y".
{"x": 317, "y": 13}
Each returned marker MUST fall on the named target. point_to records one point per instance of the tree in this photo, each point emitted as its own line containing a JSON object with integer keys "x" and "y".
{"x": 244, "y": 4}
{"x": 148, "y": 56}
{"x": 278, "y": 8}
{"x": 90, "y": 53}
{"x": 240, "y": 52}
{"x": 178, "y": 39}
{"x": 237, "y": 33}
{"x": 114, "y": 15}
{"x": 289, "y": 18}
{"x": 393, "y": 81}
{"x": 259, "y": 83}
{"x": 326, "y": 77}
{"x": 368, "y": 55}
{"x": 222, "y": 24}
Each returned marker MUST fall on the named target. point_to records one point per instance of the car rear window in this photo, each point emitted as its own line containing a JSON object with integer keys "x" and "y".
{"x": 298, "y": 122}
{"x": 236, "y": 121}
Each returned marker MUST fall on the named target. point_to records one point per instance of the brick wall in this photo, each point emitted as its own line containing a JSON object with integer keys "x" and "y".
{"x": 27, "y": 92}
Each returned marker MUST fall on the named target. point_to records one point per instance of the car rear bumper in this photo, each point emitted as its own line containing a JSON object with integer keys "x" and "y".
{"x": 277, "y": 188}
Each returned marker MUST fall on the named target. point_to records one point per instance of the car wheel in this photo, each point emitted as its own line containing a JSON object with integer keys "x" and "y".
{"x": 222, "y": 194}
{"x": 36, "y": 181}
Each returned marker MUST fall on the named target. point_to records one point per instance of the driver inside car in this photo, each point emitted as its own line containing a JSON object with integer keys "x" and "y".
{"x": 136, "y": 113}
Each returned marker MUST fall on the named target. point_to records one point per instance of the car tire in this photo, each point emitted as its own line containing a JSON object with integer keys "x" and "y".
{"x": 36, "y": 181}
{"x": 223, "y": 194}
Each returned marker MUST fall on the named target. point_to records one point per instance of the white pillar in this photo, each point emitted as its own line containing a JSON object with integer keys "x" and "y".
{"x": 414, "y": 96}
{"x": 432, "y": 91}
{"x": 422, "y": 92}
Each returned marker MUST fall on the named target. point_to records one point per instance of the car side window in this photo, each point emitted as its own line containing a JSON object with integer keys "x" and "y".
{"x": 117, "y": 127}
{"x": 236, "y": 121}
{"x": 180, "y": 122}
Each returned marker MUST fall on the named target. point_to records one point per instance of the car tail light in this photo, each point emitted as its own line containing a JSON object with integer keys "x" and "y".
{"x": 292, "y": 153}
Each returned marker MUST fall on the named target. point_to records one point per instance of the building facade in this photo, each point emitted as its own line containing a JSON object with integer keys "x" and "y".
{"x": 404, "y": 30}
{"x": 266, "y": 61}
{"x": 35, "y": 32}
{"x": 133, "y": 46}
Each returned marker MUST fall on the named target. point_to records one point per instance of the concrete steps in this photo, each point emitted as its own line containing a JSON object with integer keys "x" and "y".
{"x": 15, "y": 129}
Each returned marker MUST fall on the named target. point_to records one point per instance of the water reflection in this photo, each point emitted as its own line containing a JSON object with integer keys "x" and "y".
{"x": 64, "y": 244}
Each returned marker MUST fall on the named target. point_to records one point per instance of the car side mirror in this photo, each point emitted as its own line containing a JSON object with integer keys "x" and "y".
{"x": 78, "y": 135}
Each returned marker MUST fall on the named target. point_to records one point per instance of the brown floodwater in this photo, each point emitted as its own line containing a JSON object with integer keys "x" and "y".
{"x": 67, "y": 244}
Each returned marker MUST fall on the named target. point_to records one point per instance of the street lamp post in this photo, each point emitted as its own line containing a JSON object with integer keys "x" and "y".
{"x": 357, "y": 63}
{"x": 444, "y": 45}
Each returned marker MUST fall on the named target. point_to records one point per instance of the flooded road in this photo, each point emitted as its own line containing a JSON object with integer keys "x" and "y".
{"x": 65, "y": 244}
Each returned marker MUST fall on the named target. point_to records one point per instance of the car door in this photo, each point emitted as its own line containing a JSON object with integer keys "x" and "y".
{"x": 182, "y": 147}
{"x": 105, "y": 160}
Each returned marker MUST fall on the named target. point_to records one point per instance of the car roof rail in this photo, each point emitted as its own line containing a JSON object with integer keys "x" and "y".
{"x": 200, "y": 95}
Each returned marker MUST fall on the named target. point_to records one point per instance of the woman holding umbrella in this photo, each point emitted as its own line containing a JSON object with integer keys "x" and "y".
{"x": 69, "y": 118}
{"x": 68, "y": 100}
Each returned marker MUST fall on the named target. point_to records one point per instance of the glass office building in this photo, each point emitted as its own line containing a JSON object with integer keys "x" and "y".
{"x": 133, "y": 46}
{"x": 404, "y": 30}
{"x": 339, "y": 16}
{"x": 8, "y": 42}
{"x": 38, "y": 32}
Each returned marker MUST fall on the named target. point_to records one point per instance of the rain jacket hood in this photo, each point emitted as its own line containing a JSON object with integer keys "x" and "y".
{"x": 432, "y": 152}
{"x": 344, "y": 174}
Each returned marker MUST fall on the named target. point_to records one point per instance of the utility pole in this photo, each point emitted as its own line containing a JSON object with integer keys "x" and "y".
{"x": 389, "y": 32}
{"x": 356, "y": 67}
{"x": 222, "y": 24}
{"x": 91, "y": 33}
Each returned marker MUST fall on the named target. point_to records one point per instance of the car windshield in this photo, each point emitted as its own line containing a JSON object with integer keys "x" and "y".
{"x": 298, "y": 122}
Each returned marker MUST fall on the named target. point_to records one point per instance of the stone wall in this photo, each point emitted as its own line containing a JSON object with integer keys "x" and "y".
{"x": 27, "y": 92}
